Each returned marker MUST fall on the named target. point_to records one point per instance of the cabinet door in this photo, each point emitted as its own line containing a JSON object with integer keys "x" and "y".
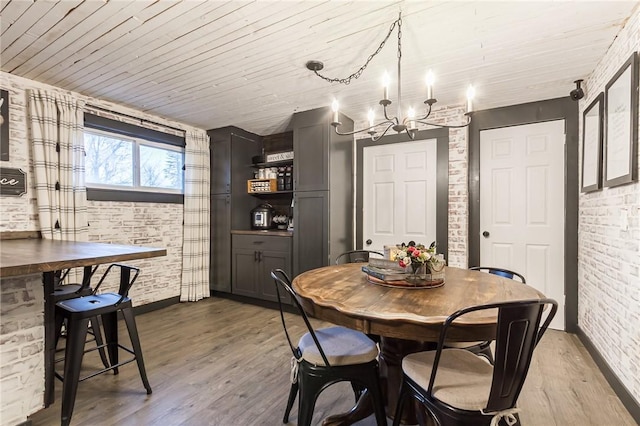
{"x": 220, "y": 270}
{"x": 311, "y": 152}
{"x": 270, "y": 260}
{"x": 244, "y": 268}
{"x": 220, "y": 165}
{"x": 311, "y": 234}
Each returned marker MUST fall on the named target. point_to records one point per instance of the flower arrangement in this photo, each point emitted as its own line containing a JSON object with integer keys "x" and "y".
{"x": 417, "y": 255}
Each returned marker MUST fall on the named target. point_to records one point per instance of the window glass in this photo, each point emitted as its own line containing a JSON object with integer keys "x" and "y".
{"x": 109, "y": 160}
{"x": 120, "y": 162}
{"x": 160, "y": 168}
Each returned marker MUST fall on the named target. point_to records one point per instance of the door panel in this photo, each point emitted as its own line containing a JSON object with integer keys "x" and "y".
{"x": 310, "y": 238}
{"x": 522, "y": 205}
{"x": 270, "y": 260}
{"x": 399, "y": 194}
{"x": 245, "y": 269}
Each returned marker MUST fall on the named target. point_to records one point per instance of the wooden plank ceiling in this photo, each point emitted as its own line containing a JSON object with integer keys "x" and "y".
{"x": 217, "y": 63}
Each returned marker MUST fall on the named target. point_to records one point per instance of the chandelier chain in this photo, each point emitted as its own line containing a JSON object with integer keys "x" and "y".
{"x": 357, "y": 74}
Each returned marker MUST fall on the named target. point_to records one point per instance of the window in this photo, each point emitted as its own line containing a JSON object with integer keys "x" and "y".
{"x": 116, "y": 161}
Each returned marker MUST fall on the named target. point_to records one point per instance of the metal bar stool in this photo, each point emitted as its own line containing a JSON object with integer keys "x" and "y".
{"x": 71, "y": 291}
{"x": 78, "y": 313}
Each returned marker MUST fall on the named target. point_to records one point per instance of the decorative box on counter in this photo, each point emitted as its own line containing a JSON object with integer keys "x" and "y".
{"x": 262, "y": 185}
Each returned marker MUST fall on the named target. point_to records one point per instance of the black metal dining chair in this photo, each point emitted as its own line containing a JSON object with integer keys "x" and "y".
{"x": 356, "y": 256}
{"x": 326, "y": 356}
{"x": 500, "y": 271}
{"x": 483, "y": 348}
{"x": 458, "y": 388}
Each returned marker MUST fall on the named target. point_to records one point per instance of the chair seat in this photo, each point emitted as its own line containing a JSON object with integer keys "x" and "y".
{"x": 341, "y": 345}
{"x": 91, "y": 304}
{"x": 463, "y": 380}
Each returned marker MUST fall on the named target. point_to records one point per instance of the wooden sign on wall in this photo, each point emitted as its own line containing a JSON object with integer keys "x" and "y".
{"x": 4, "y": 125}
{"x": 12, "y": 182}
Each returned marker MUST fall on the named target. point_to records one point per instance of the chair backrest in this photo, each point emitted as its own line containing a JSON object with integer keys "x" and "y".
{"x": 356, "y": 256}
{"x": 517, "y": 334}
{"x": 87, "y": 272}
{"x": 126, "y": 281}
{"x": 282, "y": 281}
{"x": 500, "y": 271}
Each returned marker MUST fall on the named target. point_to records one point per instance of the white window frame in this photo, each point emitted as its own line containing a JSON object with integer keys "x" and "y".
{"x": 137, "y": 143}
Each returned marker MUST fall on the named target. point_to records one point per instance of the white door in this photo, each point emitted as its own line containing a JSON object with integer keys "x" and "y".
{"x": 522, "y": 205}
{"x": 399, "y": 194}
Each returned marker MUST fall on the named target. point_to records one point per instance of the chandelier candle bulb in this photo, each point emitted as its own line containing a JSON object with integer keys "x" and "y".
{"x": 371, "y": 116}
{"x": 334, "y": 107}
{"x": 471, "y": 92}
{"x": 430, "y": 80}
{"x": 386, "y": 80}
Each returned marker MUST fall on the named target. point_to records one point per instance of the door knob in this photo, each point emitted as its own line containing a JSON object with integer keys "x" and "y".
{"x": 369, "y": 242}
{"x": 486, "y": 234}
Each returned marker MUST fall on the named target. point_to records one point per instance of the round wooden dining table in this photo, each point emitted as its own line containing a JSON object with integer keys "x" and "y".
{"x": 407, "y": 319}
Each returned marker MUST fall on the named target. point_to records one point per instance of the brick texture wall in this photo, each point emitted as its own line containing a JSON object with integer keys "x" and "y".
{"x": 21, "y": 348}
{"x": 608, "y": 255}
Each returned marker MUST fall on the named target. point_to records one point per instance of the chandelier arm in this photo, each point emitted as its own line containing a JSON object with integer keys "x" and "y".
{"x": 447, "y": 126}
{"x": 373, "y": 138}
{"x": 391, "y": 123}
{"x": 395, "y": 120}
{"x": 424, "y": 117}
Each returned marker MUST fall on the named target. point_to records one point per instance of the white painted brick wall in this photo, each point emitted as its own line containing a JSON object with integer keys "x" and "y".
{"x": 21, "y": 348}
{"x": 608, "y": 256}
{"x": 458, "y": 186}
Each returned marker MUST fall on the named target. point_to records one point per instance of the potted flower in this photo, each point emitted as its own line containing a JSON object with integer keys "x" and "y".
{"x": 422, "y": 260}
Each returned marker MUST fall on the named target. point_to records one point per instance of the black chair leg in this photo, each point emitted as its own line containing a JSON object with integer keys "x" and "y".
{"x": 309, "y": 389}
{"x": 378, "y": 401}
{"x": 402, "y": 398}
{"x": 358, "y": 390}
{"x": 96, "y": 327}
{"x": 130, "y": 320}
{"x": 110, "y": 324}
{"x": 293, "y": 392}
{"x": 76, "y": 336}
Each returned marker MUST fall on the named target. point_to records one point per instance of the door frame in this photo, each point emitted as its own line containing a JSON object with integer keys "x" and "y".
{"x": 442, "y": 181}
{"x": 530, "y": 113}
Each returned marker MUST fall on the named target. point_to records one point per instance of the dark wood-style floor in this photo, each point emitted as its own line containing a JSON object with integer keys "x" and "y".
{"x": 221, "y": 362}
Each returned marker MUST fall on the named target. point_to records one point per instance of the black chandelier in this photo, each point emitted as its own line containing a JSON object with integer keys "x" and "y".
{"x": 407, "y": 124}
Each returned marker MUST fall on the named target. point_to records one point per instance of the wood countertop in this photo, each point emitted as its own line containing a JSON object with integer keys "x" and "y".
{"x": 28, "y": 256}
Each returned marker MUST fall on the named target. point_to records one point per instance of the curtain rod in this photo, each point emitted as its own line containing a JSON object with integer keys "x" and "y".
{"x": 142, "y": 120}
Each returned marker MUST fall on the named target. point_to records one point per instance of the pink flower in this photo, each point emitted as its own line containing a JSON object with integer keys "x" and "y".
{"x": 415, "y": 253}
{"x": 402, "y": 264}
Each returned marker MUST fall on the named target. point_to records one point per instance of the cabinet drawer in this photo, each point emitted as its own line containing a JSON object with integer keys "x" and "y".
{"x": 262, "y": 242}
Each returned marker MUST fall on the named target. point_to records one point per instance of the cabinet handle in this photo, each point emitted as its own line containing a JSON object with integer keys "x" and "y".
{"x": 259, "y": 256}
{"x": 258, "y": 242}
{"x": 255, "y": 256}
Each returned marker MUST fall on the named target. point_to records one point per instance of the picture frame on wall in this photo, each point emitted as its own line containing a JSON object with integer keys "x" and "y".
{"x": 621, "y": 125}
{"x": 592, "y": 135}
{"x": 4, "y": 125}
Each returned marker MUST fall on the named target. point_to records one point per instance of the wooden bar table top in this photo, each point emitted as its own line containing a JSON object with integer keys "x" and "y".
{"x": 407, "y": 319}
{"x": 28, "y": 256}
{"x": 24, "y": 256}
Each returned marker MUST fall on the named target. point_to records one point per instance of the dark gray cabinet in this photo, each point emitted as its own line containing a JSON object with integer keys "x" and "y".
{"x": 323, "y": 189}
{"x": 231, "y": 152}
{"x": 220, "y": 273}
{"x": 252, "y": 259}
